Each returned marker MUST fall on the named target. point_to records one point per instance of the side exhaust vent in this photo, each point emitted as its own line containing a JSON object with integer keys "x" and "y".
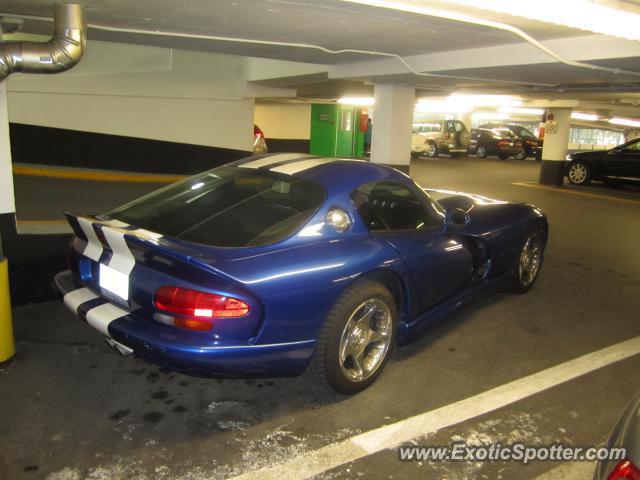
{"x": 57, "y": 55}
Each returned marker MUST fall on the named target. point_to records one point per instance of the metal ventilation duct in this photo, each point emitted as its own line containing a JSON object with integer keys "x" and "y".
{"x": 60, "y": 53}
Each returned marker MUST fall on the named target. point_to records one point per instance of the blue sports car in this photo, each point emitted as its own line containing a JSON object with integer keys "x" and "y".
{"x": 277, "y": 264}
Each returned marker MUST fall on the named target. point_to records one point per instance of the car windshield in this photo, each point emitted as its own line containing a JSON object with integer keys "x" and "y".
{"x": 523, "y": 132}
{"x": 226, "y": 207}
{"x": 503, "y": 132}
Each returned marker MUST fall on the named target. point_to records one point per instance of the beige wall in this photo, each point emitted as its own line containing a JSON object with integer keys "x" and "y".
{"x": 290, "y": 121}
{"x": 149, "y": 92}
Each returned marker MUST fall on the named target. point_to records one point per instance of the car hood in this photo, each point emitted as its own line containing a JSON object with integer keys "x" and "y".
{"x": 588, "y": 155}
{"x": 487, "y": 216}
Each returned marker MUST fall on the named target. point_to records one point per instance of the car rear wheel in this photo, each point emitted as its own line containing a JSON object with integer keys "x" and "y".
{"x": 521, "y": 155}
{"x": 356, "y": 339}
{"x": 528, "y": 264}
{"x": 579, "y": 174}
{"x": 432, "y": 150}
{"x": 481, "y": 151}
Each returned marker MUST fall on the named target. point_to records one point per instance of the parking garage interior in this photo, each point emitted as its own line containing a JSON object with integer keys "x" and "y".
{"x": 160, "y": 91}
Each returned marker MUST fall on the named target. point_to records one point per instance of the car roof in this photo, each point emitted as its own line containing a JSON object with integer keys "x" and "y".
{"x": 324, "y": 170}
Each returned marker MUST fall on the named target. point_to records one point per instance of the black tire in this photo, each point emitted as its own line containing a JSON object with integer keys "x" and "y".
{"x": 415, "y": 155}
{"x": 481, "y": 151}
{"x": 325, "y": 368}
{"x": 432, "y": 150}
{"x": 503, "y": 156}
{"x": 579, "y": 173}
{"x": 523, "y": 283}
{"x": 521, "y": 156}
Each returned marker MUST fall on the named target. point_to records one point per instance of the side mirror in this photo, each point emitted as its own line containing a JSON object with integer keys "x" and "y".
{"x": 456, "y": 217}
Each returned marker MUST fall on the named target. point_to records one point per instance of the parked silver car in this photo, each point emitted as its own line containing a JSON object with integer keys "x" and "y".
{"x": 625, "y": 434}
{"x": 434, "y": 138}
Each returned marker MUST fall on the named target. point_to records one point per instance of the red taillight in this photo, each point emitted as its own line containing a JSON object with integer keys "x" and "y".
{"x": 201, "y": 306}
{"x": 503, "y": 143}
{"x": 625, "y": 470}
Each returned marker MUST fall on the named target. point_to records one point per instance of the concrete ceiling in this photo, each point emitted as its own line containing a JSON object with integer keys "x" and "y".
{"x": 494, "y": 60}
{"x": 331, "y": 23}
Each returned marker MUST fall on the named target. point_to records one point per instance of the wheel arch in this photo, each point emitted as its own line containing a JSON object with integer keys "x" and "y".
{"x": 398, "y": 288}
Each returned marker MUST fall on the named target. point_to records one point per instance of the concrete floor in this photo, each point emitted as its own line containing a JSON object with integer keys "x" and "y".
{"x": 71, "y": 408}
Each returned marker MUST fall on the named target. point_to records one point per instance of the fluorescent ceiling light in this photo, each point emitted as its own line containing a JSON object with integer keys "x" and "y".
{"x": 486, "y": 100}
{"x": 442, "y": 106}
{"x": 522, "y": 110}
{"x": 490, "y": 116}
{"x": 584, "y": 116}
{"x": 357, "y": 101}
{"x": 583, "y": 14}
{"x": 627, "y": 122}
{"x": 462, "y": 103}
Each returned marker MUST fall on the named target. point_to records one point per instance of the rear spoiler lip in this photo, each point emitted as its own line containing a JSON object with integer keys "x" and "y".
{"x": 196, "y": 254}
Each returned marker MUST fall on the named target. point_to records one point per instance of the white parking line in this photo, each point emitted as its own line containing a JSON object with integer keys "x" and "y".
{"x": 399, "y": 433}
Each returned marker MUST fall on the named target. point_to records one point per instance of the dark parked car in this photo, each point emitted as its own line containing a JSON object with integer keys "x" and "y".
{"x": 499, "y": 142}
{"x": 618, "y": 165}
{"x": 626, "y": 434}
{"x": 530, "y": 142}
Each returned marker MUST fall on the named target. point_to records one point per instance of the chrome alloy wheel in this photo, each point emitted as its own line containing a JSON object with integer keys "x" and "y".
{"x": 577, "y": 173}
{"x": 431, "y": 149}
{"x": 529, "y": 261}
{"x": 365, "y": 340}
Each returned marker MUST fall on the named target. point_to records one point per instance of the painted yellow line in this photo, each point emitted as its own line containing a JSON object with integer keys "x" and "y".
{"x": 573, "y": 192}
{"x": 40, "y": 222}
{"x": 94, "y": 176}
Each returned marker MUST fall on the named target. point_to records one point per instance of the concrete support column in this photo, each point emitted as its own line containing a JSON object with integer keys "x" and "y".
{"x": 7, "y": 201}
{"x": 556, "y": 141}
{"x": 391, "y": 134}
{"x": 466, "y": 119}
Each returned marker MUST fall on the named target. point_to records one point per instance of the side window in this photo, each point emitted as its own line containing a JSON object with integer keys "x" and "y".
{"x": 392, "y": 206}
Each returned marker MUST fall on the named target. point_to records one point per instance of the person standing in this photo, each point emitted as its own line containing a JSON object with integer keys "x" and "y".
{"x": 367, "y": 138}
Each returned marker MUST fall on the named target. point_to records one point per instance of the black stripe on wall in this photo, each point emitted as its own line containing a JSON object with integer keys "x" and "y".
{"x": 72, "y": 148}
{"x": 281, "y": 145}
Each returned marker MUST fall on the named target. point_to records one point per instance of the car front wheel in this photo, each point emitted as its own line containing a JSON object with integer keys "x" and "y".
{"x": 528, "y": 264}
{"x": 356, "y": 339}
{"x": 579, "y": 173}
{"x": 481, "y": 151}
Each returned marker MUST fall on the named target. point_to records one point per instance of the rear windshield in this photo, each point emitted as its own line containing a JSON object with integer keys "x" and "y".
{"x": 226, "y": 207}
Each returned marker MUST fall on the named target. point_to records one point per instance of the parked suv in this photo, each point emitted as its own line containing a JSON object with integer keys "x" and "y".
{"x": 530, "y": 142}
{"x": 500, "y": 142}
{"x": 434, "y": 138}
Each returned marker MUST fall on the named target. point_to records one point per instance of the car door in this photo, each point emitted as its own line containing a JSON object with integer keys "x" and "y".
{"x": 623, "y": 161}
{"x": 441, "y": 264}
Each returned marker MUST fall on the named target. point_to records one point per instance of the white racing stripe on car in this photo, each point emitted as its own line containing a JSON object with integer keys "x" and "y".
{"x": 93, "y": 249}
{"x": 271, "y": 160}
{"x": 122, "y": 259}
{"x": 101, "y": 316}
{"x": 302, "y": 165}
{"x": 77, "y": 297}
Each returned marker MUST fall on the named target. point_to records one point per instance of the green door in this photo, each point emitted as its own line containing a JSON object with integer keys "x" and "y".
{"x": 346, "y": 132}
{"x": 324, "y": 119}
{"x": 336, "y": 131}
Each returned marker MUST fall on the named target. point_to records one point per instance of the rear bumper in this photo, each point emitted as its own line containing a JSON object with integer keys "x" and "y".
{"x": 186, "y": 352}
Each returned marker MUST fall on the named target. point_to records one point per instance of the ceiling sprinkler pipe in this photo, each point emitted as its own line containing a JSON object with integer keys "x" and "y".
{"x": 63, "y": 51}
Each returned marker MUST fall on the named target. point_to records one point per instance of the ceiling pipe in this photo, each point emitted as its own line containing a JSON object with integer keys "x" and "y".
{"x": 63, "y": 51}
